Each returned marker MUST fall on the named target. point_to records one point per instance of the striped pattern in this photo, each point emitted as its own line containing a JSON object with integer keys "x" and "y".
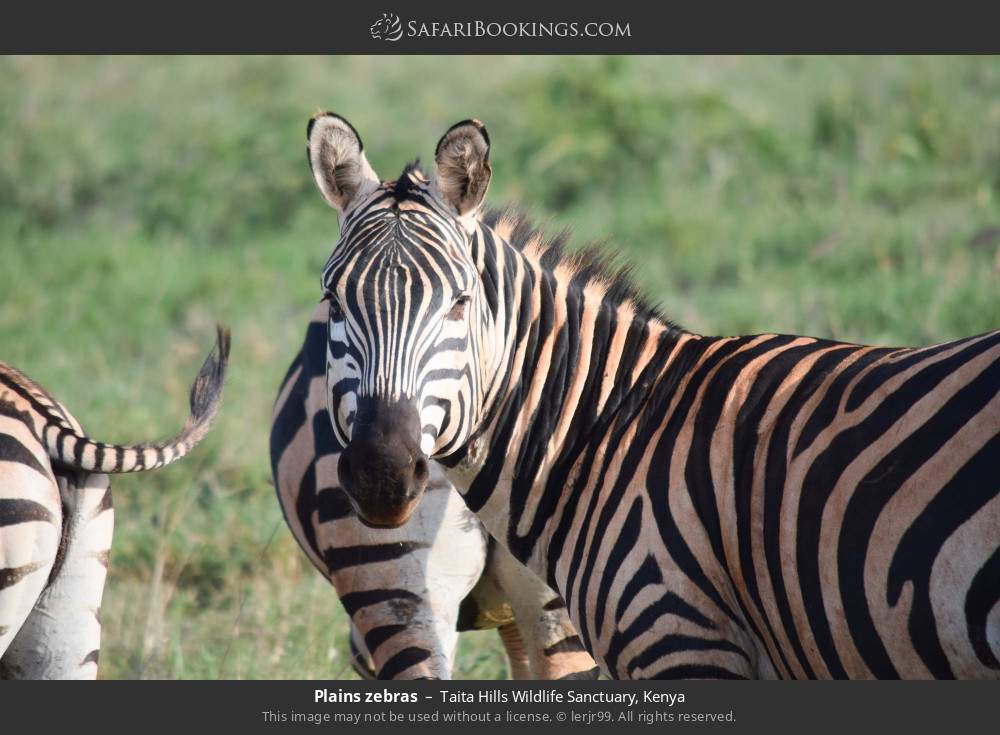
{"x": 56, "y": 520}
{"x": 391, "y": 314}
{"x": 408, "y": 591}
{"x": 720, "y": 507}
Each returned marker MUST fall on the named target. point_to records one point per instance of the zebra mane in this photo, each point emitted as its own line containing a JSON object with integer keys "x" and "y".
{"x": 591, "y": 263}
{"x": 409, "y": 179}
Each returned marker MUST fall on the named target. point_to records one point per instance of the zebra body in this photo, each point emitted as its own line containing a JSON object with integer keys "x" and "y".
{"x": 408, "y": 591}
{"x": 754, "y": 506}
{"x": 57, "y": 518}
{"x": 774, "y": 512}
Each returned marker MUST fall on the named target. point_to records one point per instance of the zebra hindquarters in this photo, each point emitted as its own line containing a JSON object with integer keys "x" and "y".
{"x": 30, "y": 533}
{"x": 61, "y": 637}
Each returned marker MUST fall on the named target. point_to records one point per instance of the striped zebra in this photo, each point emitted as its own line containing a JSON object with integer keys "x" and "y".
{"x": 708, "y": 507}
{"x": 56, "y": 520}
{"x": 408, "y": 591}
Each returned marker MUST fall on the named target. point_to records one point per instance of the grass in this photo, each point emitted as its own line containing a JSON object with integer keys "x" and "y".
{"x": 143, "y": 199}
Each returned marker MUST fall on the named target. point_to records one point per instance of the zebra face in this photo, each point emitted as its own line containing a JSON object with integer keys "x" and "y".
{"x": 404, "y": 295}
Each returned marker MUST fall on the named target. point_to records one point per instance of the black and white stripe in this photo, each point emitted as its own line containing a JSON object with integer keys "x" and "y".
{"x": 720, "y": 507}
{"x": 411, "y": 590}
{"x": 56, "y": 520}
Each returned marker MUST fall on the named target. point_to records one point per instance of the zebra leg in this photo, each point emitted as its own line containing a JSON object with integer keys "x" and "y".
{"x": 403, "y": 587}
{"x": 361, "y": 661}
{"x": 550, "y": 642}
{"x": 62, "y": 636}
{"x": 517, "y": 655}
{"x": 448, "y": 557}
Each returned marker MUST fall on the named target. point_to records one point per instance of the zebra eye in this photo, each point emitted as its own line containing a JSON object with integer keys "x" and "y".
{"x": 336, "y": 314}
{"x": 458, "y": 308}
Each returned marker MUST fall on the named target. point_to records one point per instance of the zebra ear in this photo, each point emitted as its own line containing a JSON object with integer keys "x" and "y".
{"x": 463, "y": 166}
{"x": 337, "y": 159}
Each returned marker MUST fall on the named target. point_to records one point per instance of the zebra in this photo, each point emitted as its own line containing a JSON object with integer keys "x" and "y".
{"x": 763, "y": 506}
{"x": 411, "y": 590}
{"x": 57, "y": 517}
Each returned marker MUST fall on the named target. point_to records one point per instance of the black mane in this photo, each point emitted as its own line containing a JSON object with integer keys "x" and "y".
{"x": 591, "y": 263}
{"x": 402, "y": 186}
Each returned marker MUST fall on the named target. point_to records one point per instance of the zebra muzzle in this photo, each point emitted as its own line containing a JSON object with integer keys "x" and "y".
{"x": 382, "y": 509}
{"x": 382, "y": 470}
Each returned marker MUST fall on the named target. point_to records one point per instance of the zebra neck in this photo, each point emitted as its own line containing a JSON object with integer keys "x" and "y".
{"x": 579, "y": 363}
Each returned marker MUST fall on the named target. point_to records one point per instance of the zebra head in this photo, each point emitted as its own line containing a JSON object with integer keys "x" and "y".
{"x": 406, "y": 304}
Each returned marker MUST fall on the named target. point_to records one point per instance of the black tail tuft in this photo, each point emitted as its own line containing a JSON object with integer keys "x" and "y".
{"x": 91, "y": 455}
{"x": 206, "y": 392}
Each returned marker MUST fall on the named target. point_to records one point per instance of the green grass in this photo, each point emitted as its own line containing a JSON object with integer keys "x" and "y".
{"x": 143, "y": 199}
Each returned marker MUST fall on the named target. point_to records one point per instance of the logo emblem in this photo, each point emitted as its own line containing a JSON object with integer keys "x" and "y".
{"x": 387, "y": 28}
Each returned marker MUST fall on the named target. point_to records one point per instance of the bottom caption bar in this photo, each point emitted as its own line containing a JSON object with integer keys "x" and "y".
{"x": 249, "y": 707}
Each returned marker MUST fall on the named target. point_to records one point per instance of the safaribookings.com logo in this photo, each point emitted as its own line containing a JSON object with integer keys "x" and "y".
{"x": 387, "y": 28}
{"x": 390, "y": 28}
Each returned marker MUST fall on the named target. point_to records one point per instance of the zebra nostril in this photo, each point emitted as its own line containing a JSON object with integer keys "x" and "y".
{"x": 420, "y": 470}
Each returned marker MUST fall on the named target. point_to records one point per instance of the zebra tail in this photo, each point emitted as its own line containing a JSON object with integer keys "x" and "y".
{"x": 74, "y": 449}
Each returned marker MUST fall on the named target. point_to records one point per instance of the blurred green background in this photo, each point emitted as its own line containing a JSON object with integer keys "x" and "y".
{"x": 143, "y": 199}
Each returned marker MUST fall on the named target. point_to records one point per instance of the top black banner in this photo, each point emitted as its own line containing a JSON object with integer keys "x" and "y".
{"x": 394, "y": 27}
